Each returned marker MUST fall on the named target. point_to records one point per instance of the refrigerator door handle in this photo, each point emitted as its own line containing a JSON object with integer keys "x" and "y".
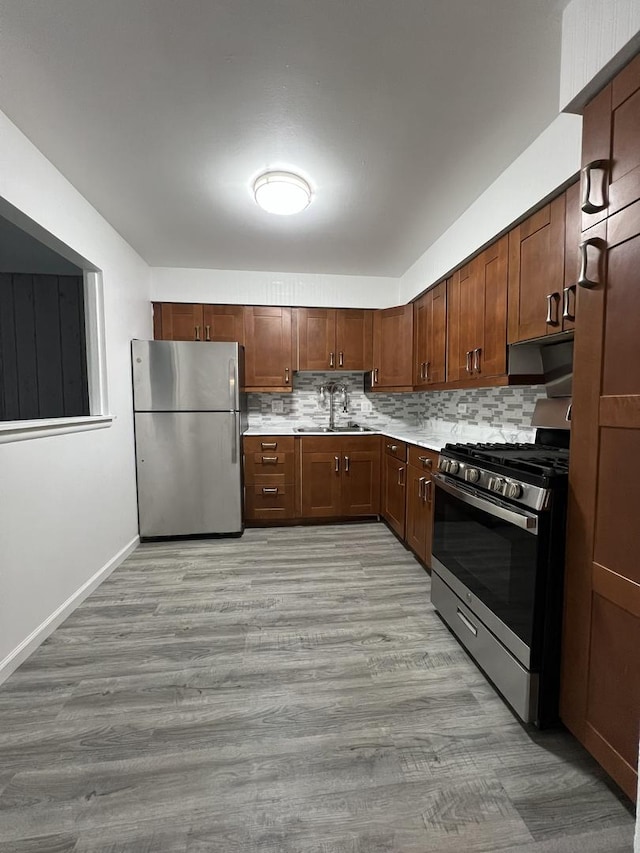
{"x": 235, "y": 438}
{"x": 233, "y": 382}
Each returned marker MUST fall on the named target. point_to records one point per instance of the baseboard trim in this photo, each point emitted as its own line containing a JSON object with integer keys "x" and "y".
{"x": 28, "y": 646}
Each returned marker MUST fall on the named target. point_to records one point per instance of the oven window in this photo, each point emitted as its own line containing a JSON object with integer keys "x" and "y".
{"x": 494, "y": 559}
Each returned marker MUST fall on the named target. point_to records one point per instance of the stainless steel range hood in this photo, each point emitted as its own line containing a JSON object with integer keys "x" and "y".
{"x": 552, "y": 360}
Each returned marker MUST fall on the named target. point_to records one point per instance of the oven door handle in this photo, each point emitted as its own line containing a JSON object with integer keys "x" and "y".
{"x": 524, "y": 520}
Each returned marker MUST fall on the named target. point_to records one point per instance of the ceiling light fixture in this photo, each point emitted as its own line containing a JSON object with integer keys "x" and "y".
{"x": 282, "y": 193}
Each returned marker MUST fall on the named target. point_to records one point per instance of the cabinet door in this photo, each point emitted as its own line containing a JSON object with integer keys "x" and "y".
{"x": 360, "y": 482}
{"x": 610, "y": 150}
{"x": 354, "y": 339}
{"x": 393, "y": 508}
{"x": 223, "y": 323}
{"x": 600, "y": 699}
{"x": 180, "y": 321}
{"x": 321, "y": 484}
{"x": 462, "y": 322}
{"x": 393, "y": 347}
{"x": 316, "y": 338}
{"x": 572, "y": 237}
{"x": 268, "y": 350}
{"x": 421, "y": 322}
{"x": 490, "y": 350}
{"x": 536, "y": 273}
{"x": 437, "y": 334}
{"x": 416, "y": 530}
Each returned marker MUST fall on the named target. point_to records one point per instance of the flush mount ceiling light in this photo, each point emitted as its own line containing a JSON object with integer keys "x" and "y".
{"x": 282, "y": 192}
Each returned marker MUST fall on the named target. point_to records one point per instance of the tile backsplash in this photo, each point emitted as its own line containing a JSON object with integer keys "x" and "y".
{"x": 501, "y": 408}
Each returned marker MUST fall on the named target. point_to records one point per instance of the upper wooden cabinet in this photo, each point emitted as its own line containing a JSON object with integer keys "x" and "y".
{"x": 610, "y": 151}
{"x": 543, "y": 260}
{"x": 268, "y": 353}
{"x": 477, "y": 317}
{"x": 393, "y": 348}
{"x": 430, "y": 337}
{"x": 334, "y": 339}
{"x": 184, "y": 321}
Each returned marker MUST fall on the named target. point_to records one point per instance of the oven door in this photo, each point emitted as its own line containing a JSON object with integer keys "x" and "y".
{"x": 486, "y": 550}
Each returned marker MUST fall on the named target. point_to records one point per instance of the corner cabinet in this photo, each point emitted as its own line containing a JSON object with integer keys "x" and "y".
{"x": 393, "y": 349}
{"x": 477, "y": 318}
{"x": 334, "y": 338}
{"x": 268, "y": 348}
{"x": 430, "y": 337}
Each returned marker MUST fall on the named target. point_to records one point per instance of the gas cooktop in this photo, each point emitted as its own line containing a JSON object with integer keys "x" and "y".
{"x": 537, "y": 459}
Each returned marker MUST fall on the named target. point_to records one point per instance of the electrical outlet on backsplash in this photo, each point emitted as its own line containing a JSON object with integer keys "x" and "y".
{"x": 506, "y": 409}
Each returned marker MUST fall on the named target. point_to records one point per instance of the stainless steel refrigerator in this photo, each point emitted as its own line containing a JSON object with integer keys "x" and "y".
{"x": 189, "y": 417}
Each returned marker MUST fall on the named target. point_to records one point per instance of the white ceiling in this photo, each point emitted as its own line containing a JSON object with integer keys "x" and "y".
{"x": 399, "y": 112}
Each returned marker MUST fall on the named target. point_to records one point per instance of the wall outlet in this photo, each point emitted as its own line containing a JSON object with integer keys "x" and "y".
{"x": 277, "y": 407}
{"x": 462, "y": 408}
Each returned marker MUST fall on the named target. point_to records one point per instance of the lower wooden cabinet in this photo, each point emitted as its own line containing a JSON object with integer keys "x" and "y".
{"x": 394, "y": 484}
{"x": 419, "y": 520}
{"x": 269, "y": 477}
{"x": 340, "y": 476}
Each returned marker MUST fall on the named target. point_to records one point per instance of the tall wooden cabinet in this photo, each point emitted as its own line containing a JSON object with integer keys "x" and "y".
{"x": 430, "y": 337}
{"x": 477, "y": 317}
{"x": 334, "y": 338}
{"x": 393, "y": 348}
{"x": 600, "y": 697}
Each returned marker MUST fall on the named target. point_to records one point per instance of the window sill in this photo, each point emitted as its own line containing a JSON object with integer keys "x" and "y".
{"x": 45, "y": 428}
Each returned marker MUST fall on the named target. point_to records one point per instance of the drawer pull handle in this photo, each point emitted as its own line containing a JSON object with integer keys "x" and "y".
{"x": 583, "y": 279}
{"x": 567, "y": 313}
{"x": 332, "y": 359}
{"x": 340, "y": 359}
{"x": 375, "y": 375}
{"x": 467, "y": 623}
{"x": 337, "y": 464}
{"x": 553, "y": 306}
{"x": 476, "y": 359}
{"x": 207, "y": 330}
{"x": 428, "y": 486}
{"x": 468, "y": 362}
{"x": 589, "y": 206}
{"x": 268, "y": 490}
{"x": 286, "y": 376}
{"x": 426, "y": 462}
{"x": 197, "y": 335}
{"x": 401, "y": 476}
{"x": 269, "y": 460}
{"x": 268, "y": 445}
{"x": 347, "y": 464}
{"x": 392, "y": 447}
{"x": 421, "y": 483}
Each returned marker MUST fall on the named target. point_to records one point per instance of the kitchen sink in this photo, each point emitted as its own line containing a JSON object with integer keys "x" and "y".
{"x": 348, "y": 428}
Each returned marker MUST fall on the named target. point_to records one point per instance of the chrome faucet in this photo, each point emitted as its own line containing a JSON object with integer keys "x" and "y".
{"x": 333, "y": 388}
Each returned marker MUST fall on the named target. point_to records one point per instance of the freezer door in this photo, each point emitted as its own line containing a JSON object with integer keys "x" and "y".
{"x": 185, "y": 376}
{"x": 189, "y": 473}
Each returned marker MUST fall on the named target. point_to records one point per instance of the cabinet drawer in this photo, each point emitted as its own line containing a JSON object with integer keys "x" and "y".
{"x": 268, "y": 444}
{"x": 269, "y": 467}
{"x": 268, "y": 502}
{"x": 392, "y": 447}
{"x": 423, "y": 458}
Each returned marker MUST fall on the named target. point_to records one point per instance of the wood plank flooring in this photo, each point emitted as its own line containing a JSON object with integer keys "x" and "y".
{"x": 289, "y": 692}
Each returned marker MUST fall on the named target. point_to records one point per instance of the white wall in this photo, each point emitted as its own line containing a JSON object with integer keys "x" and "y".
{"x": 68, "y": 503}
{"x": 273, "y": 288}
{"x": 551, "y": 160}
{"x": 598, "y": 39}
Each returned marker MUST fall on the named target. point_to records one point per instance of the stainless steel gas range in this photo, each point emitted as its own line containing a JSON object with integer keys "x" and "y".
{"x": 498, "y": 560}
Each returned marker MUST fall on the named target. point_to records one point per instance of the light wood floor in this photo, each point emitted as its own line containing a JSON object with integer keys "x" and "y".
{"x": 289, "y": 692}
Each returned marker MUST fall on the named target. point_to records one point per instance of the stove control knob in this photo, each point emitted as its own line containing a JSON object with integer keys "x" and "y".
{"x": 514, "y": 490}
{"x": 443, "y": 465}
{"x": 454, "y": 466}
{"x": 496, "y": 484}
{"x": 472, "y": 475}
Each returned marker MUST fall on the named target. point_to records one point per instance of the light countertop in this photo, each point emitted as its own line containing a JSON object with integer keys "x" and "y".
{"x": 410, "y": 436}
